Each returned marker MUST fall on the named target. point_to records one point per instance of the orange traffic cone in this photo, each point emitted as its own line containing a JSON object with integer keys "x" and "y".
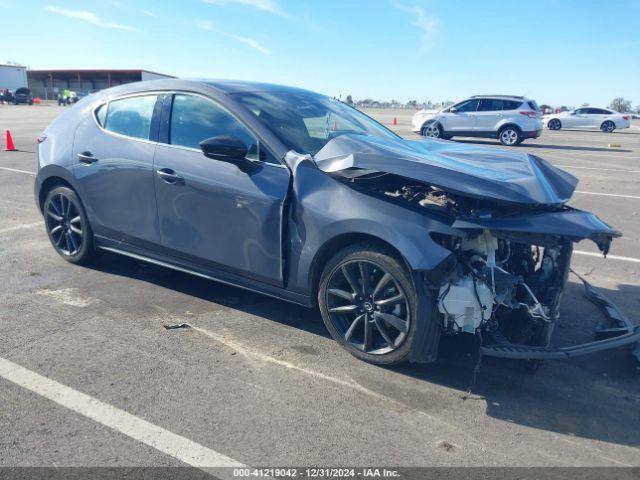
{"x": 395, "y": 120}
{"x": 9, "y": 146}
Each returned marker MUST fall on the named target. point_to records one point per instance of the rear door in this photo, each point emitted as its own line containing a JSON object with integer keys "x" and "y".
{"x": 488, "y": 114}
{"x": 113, "y": 153}
{"x": 595, "y": 117}
{"x": 212, "y": 212}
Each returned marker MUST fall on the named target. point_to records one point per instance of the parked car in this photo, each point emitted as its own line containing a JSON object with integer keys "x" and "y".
{"x": 298, "y": 196}
{"x": 22, "y": 95}
{"x": 510, "y": 119}
{"x": 588, "y": 117}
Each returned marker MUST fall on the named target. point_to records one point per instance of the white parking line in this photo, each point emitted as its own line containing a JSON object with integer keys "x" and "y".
{"x": 609, "y": 257}
{"x": 163, "y": 440}
{"x": 16, "y": 170}
{"x": 20, "y": 227}
{"x": 598, "y": 168}
{"x": 608, "y": 194}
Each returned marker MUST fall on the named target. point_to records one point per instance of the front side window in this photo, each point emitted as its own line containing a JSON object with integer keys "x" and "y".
{"x": 468, "y": 106}
{"x": 581, "y": 111}
{"x": 131, "y": 116}
{"x": 195, "y": 118}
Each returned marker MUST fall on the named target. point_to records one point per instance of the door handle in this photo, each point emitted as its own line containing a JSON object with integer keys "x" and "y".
{"x": 87, "y": 157}
{"x": 169, "y": 176}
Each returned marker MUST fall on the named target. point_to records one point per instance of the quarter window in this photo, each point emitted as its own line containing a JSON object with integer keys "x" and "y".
{"x": 511, "y": 105}
{"x": 101, "y": 114}
{"x": 131, "y": 116}
{"x": 194, "y": 119}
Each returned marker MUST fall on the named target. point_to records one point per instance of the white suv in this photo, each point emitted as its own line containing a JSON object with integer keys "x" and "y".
{"x": 510, "y": 119}
{"x": 588, "y": 117}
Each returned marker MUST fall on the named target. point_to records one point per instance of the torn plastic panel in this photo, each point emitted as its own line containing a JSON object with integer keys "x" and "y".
{"x": 623, "y": 333}
{"x": 508, "y": 177}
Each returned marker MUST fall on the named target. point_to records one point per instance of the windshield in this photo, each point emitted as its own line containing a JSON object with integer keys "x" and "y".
{"x": 306, "y": 121}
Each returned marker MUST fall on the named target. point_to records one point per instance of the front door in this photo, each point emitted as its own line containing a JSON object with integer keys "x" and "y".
{"x": 210, "y": 211}
{"x": 113, "y": 164}
{"x": 463, "y": 119}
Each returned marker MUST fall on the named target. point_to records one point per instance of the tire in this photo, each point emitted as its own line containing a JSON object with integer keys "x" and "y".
{"x": 554, "y": 124}
{"x": 432, "y": 130}
{"x": 608, "y": 126}
{"x": 377, "y": 323}
{"x": 509, "y": 136}
{"x": 67, "y": 225}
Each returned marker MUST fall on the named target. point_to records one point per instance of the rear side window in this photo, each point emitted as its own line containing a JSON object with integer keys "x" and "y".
{"x": 101, "y": 114}
{"x": 131, "y": 116}
{"x": 533, "y": 105}
{"x": 490, "y": 105}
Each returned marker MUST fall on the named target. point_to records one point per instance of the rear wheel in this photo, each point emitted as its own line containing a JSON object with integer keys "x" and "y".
{"x": 369, "y": 304}
{"x": 554, "y": 124}
{"x": 432, "y": 130}
{"x": 67, "y": 225}
{"x": 608, "y": 126}
{"x": 509, "y": 136}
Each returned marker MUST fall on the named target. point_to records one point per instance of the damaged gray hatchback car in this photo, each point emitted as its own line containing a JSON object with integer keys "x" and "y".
{"x": 299, "y": 196}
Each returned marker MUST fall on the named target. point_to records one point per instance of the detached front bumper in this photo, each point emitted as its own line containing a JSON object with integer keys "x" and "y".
{"x": 622, "y": 332}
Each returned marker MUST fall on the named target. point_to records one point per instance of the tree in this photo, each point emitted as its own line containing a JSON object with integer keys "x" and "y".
{"x": 621, "y": 105}
{"x": 349, "y": 100}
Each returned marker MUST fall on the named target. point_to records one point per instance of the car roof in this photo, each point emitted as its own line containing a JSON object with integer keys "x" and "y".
{"x": 508, "y": 97}
{"x": 241, "y": 86}
{"x": 221, "y": 87}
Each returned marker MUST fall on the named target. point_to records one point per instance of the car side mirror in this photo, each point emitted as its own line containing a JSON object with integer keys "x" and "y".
{"x": 225, "y": 148}
{"x": 453, "y": 110}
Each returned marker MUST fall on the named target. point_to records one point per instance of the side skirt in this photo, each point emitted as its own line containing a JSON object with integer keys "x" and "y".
{"x": 256, "y": 287}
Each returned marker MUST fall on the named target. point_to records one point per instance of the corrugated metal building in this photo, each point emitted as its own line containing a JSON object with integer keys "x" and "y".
{"x": 47, "y": 83}
{"x": 12, "y": 76}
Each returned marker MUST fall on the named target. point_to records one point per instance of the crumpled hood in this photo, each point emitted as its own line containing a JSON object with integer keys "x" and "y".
{"x": 512, "y": 177}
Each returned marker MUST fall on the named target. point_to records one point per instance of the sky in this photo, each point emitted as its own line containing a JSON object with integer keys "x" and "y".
{"x": 560, "y": 52}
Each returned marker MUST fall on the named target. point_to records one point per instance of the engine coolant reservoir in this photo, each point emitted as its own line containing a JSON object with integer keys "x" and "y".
{"x": 460, "y": 307}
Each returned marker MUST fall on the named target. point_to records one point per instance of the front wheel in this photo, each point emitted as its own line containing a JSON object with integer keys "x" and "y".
{"x": 432, "y": 130}
{"x": 509, "y": 136}
{"x": 608, "y": 126}
{"x": 67, "y": 225}
{"x": 369, "y": 304}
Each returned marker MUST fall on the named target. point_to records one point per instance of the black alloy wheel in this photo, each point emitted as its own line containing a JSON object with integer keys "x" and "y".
{"x": 67, "y": 225}
{"x": 368, "y": 303}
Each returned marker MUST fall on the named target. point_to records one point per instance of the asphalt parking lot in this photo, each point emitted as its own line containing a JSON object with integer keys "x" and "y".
{"x": 259, "y": 381}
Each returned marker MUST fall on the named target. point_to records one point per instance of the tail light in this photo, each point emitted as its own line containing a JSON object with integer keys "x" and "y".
{"x": 626, "y": 117}
{"x": 40, "y": 139}
{"x": 529, "y": 113}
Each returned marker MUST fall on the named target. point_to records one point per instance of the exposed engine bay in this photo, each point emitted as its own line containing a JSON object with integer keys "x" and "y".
{"x": 504, "y": 285}
{"x": 500, "y": 282}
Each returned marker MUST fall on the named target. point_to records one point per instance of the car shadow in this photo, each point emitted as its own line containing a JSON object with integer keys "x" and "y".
{"x": 595, "y": 396}
{"x": 545, "y": 146}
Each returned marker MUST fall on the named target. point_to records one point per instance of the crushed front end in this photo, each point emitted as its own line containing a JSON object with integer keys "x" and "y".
{"x": 506, "y": 285}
